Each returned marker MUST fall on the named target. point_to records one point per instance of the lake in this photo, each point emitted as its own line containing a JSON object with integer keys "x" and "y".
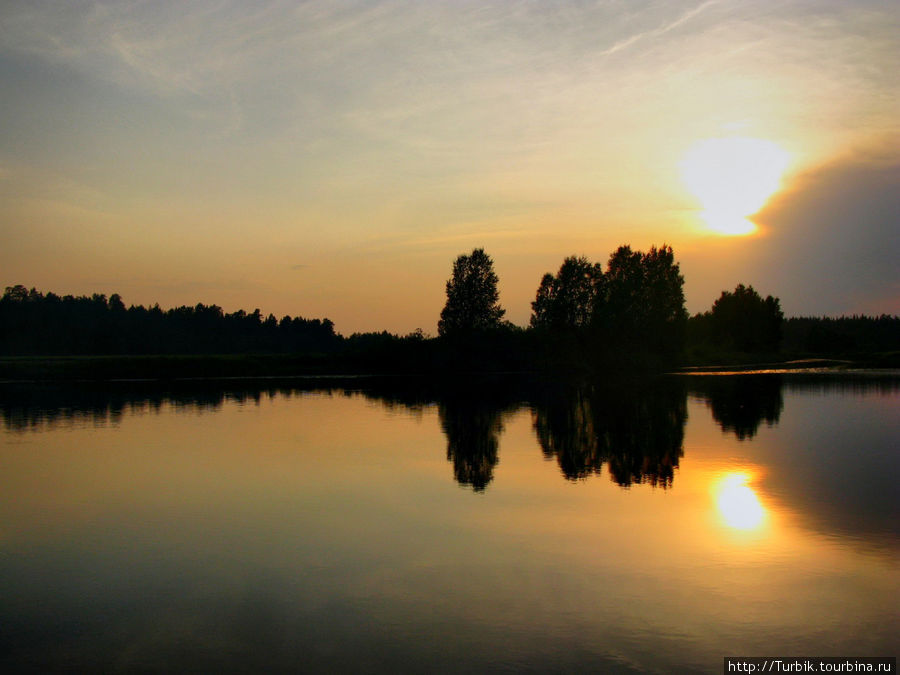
{"x": 374, "y": 525}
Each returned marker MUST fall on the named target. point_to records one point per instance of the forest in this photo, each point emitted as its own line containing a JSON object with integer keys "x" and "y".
{"x": 629, "y": 315}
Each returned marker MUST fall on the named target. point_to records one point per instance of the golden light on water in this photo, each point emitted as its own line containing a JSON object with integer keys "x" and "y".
{"x": 733, "y": 178}
{"x": 737, "y": 503}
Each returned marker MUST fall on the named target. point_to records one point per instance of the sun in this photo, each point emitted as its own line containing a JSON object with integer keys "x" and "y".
{"x": 733, "y": 178}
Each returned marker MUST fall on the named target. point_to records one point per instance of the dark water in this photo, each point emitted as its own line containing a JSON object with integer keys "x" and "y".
{"x": 372, "y": 526}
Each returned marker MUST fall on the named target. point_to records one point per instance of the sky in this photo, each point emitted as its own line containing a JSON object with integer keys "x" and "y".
{"x": 331, "y": 159}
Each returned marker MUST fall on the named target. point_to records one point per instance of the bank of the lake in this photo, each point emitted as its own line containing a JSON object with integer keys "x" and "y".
{"x": 161, "y": 367}
{"x": 213, "y": 366}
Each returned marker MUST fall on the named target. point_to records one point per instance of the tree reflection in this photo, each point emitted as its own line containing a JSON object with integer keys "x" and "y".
{"x": 470, "y": 411}
{"x": 25, "y": 407}
{"x": 644, "y": 429}
{"x": 740, "y": 403}
{"x": 471, "y": 415}
{"x": 473, "y": 436}
{"x": 637, "y": 429}
{"x": 564, "y": 424}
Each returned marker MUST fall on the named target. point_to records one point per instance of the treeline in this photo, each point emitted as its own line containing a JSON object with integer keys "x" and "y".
{"x": 843, "y": 336}
{"x": 632, "y": 315}
{"x": 627, "y": 315}
{"x": 34, "y": 323}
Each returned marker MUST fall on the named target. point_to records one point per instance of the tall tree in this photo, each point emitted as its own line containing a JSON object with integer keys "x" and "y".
{"x": 567, "y": 299}
{"x": 472, "y": 296}
{"x": 641, "y": 307}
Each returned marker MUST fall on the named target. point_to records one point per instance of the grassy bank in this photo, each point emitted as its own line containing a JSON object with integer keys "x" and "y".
{"x": 399, "y": 360}
{"x": 161, "y": 367}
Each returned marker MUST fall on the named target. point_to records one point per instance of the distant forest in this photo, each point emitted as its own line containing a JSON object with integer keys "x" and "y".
{"x": 846, "y": 335}
{"x": 35, "y": 323}
{"x": 630, "y": 314}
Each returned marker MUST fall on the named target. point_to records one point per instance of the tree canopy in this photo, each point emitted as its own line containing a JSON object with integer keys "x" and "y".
{"x": 744, "y": 320}
{"x": 472, "y": 296}
{"x": 641, "y": 307}
{"x": 567, "y": 299}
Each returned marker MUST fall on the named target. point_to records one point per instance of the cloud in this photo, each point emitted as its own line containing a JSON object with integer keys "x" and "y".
{"x": 835, "y": 239}
{"x": 657, "y": 32}
{"x": 432, "y": 124}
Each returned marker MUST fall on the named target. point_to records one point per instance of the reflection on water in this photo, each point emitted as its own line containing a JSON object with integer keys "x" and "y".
{"x": 320, "y": 525}
{"x": 737, "y": 502}
{"x": 35, "y": 407}
{"x": 471, "y": 419}
{"x": 741, "y": 403}
{"x": 636, "y": 430}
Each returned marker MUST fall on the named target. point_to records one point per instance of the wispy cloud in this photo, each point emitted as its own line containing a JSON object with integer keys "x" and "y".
{"x": 627, "y": 42}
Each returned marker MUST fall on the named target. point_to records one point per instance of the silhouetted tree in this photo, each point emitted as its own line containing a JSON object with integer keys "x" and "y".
{"x": 472, "y": 296}
{"x": 743, "y": 320}
{"x": 567, "y": 300}
{"x": 641, "y": 308}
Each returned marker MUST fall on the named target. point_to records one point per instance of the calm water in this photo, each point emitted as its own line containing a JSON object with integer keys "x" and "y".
{"x": 377, "y": 526}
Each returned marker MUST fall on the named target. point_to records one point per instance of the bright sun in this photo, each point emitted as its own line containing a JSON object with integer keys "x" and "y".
{"x": 733, "y": 178}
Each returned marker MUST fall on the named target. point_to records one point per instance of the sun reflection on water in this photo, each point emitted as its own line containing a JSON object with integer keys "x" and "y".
{"x": 737, "y": 503}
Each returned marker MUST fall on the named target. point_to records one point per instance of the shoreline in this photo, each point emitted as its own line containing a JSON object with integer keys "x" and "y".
{"x": 216, "y": 367}
{"x": 770, "y": 366}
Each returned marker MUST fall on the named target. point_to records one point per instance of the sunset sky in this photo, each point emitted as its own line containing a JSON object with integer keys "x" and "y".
{"x": 331, "y": 159}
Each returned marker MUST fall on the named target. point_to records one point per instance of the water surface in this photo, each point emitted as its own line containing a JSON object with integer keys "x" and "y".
{"x": 384, "y": 525}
